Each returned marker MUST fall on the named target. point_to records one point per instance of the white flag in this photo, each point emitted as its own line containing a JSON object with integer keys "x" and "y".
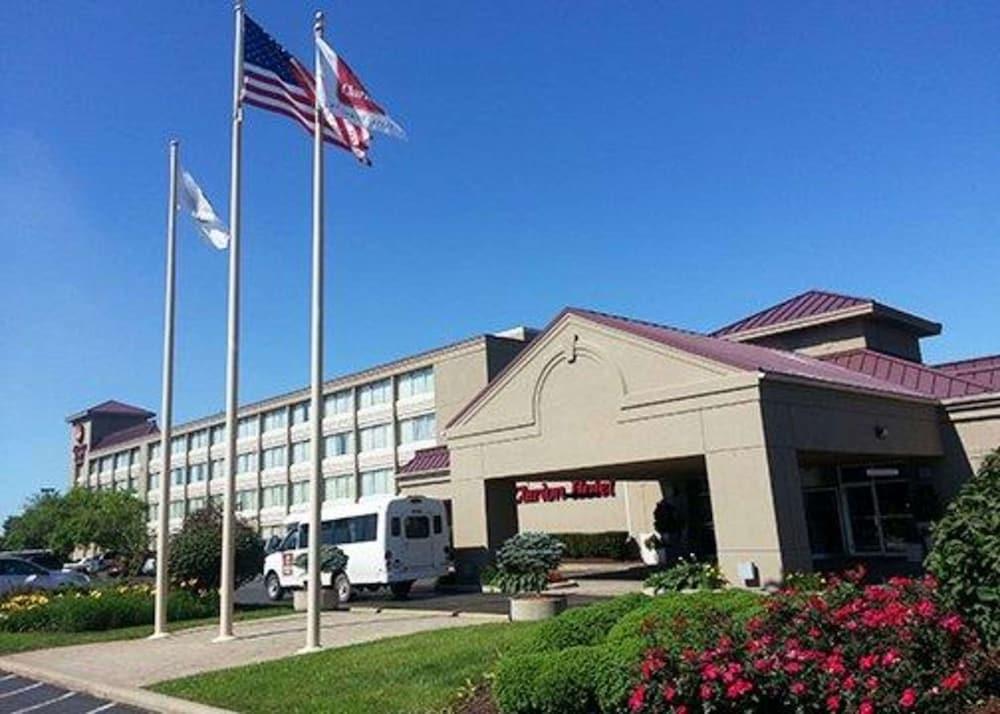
{"x": 341, "y": 94}
{"x": 207, "y": 220}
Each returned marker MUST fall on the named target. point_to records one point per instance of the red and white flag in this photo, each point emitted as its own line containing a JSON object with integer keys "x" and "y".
{"x": 342, "y": 95}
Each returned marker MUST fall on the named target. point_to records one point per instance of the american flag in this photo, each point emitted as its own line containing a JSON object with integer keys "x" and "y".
{"x": 273, "y": 79}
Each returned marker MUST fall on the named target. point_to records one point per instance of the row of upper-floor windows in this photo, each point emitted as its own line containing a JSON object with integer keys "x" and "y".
{"x": 334, "y": 488}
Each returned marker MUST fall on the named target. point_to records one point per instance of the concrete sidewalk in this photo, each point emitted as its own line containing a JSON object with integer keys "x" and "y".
{"x": 118, "y": 669}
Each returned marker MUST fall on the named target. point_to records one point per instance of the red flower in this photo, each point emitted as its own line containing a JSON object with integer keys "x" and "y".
{"x": 848, "y": 684}
{"x": 951, "y": 623}
{"x": 954, "y": 681}
{"x": 792, "y": 667}
{"x": 866, "y": 707}
{"x": 872, "y": 683}
{"x": 798, "y": 688}
{"x": 681, "y": 709}
{"x": 638, "y": 698}
{"x": 834, "y": 665}
{"x": 738, "y": 688}
{"x": 653, "y": 663}
{"x": 669, "y": 693}
{"x": 706, "y": 692}
{"x": 833, "y": 703}
{"x": 890, "y": 658}
{"x": 926, "y": 608}
{"x": 908, "y": 699}
{"x": 710, "y": 672}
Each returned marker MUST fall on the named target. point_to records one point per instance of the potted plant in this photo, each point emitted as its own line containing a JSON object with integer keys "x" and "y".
{"x": 334, "y": 561}
{"x": 523, "y": 566}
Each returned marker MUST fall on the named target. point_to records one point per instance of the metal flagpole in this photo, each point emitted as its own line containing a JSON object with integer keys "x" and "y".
{"x": 166, "y": 408}
{"x": 316, "y": 406}
{"x": 227, "y": 578}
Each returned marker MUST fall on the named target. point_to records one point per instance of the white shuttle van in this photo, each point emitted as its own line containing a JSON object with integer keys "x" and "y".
{"x": 389, "y": 542}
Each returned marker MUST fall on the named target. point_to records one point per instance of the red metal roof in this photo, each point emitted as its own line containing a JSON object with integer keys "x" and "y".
{"x": 931, "y": 381}
{"x": 112, "y": 407}
{"x": 133, "y": 432}
{"x": 435, "y": 458}
{"x": 984, "y": 370}
{"x": 808, "y": 304}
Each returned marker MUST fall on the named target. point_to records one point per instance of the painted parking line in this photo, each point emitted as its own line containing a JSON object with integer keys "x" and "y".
{"x": 20, "y": 695}
{"x": 48, "y": 702}
{"x": 20, "y": 690}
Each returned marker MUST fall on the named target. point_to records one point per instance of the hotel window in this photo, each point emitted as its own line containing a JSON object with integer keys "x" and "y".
{"x": 300, "y": 492}
{"x": 106, "y": 463}
{"x": 122, "y": 460}
{"x": 337, "y": 403}
{"x": 154, "y": 482}
{"x": 246, "y": 427}
{"x": 375, "y": 393}
{"x": 199, "y": 439}
{"x": 92, "y": 467}
{"x": 273, "y": 496}
{"x": 154, "y": 451}
{"x": 275, "y": 419}
{"x": 246, "y": 500}
{"x": 246, "y": 463}
{"x": 419, "y": 428}
{"x": 198, "y": 473}
{"x": 338, "y": 444}
{"x": 133, "y": 456}
{"x": 217, "y": 500}
{"x": 153, "y": 509}
{"x": 216, "y": 468}
{"x": 275, "y": 457}
{"x": 300, "y": 452}
{"x": 379, "y": 481}
{"x": 196, "y": 504}
{"x": 177, "y": 476}
{"x": 338, "y": 488}
{"x": 217, "y": 434}
{"x": 300, "y": 413}
{"x": 375, "y": 437}
{"x": 178, "y": 445}
{"x": 420, "y": 381}
{"x": 176, "y": 509}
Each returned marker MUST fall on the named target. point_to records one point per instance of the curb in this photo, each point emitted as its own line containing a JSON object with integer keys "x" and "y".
{"x": 135, "y": 697}
{"x": 375, "y": 610}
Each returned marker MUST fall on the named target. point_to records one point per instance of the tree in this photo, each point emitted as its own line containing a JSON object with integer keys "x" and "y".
{"x": 35, "y": 525}
{"x": 196, "y": 550}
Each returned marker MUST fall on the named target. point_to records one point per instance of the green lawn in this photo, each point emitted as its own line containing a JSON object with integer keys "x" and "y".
{"x": 414, "y": 673}
{"x": 11, "y": 642}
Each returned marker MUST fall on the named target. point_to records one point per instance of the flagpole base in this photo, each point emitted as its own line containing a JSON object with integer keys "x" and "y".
{"x": 309, "y": 649}
{"x": 159, "y": 636}
{"x": 221, "y": 639}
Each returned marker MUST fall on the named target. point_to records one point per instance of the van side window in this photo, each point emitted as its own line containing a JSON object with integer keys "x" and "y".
{"x": 291, "y": 541}
{"x": 359, "y": 529}
{"x": 437, "y": 524}
{"x": 394, "y": 526}
{"x": 417, "y": 527}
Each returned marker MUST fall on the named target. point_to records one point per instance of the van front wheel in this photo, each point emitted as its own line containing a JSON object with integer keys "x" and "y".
{"x": 342, "y": 586}
{"x": 401, "y": 591}
{"x": 273, "y": 587}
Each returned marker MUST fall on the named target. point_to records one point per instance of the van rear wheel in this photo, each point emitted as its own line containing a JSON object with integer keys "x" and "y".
{"x": 272, "y": 585}
{"x": 401, "y": 591}
{"x": 342, "y": 586}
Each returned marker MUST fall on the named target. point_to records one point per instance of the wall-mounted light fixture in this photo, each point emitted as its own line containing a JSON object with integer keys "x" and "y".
{"x": 881, "y": 432}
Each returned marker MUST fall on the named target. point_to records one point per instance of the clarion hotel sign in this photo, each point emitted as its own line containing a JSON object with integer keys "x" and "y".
{"x": 576, "y": 490}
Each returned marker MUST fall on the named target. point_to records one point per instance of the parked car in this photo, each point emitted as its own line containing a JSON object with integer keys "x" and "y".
{"x": 389, "y": 542}
{"x": 42, "y": 557}
{"x": 18, "y": 573}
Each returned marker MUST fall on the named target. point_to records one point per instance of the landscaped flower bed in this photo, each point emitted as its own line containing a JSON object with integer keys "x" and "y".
{"x": 848, "y": 648}
{"x": 104, "y": 608}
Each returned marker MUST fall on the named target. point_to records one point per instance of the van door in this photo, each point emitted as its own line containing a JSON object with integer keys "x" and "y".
{"x": 418, "y": 546}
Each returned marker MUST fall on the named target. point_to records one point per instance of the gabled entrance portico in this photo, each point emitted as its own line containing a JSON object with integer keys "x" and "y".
{"x": 650, "y": 407}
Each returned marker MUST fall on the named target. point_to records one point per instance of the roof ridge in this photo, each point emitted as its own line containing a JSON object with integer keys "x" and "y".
{"x": 637, "y": 321}
{"x": 967, "y": 361}
{"x": 739, "y": 325}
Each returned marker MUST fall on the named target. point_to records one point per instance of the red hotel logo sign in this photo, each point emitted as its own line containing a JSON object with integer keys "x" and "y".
{"x": 576, "y": 490}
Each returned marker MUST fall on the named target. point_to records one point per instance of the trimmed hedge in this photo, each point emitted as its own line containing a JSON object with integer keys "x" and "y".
{"x": 615, "y": 545}
{"x": 583, "y": 625}
{"x": 586, "y": 660}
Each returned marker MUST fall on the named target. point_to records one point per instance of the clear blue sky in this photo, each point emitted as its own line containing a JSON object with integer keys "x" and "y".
{"x": 686, "y": 163}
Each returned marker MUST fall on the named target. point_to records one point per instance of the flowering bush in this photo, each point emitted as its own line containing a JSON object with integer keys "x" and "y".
{"x": 687, "y": 574}
{"x": 847, "y": 649}
{"x": 97, "y": 608}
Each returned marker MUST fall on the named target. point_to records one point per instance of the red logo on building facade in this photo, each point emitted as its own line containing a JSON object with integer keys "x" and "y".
{"x": 576, "y": 490}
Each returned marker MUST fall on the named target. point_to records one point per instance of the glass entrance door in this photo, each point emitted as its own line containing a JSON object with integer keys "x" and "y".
{"x": 862, "y": 518}
{"x": 826, "y": 536}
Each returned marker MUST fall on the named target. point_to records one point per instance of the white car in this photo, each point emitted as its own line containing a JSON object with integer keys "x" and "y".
{"x": 16, "y": 573}
{"x": 389, "y": 542}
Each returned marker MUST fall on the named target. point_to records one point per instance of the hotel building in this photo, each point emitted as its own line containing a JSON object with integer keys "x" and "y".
{"x": 806, "y": 435}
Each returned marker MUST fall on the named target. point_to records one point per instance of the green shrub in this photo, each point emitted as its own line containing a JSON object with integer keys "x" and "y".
{"x": 965, "y": 557}
{"x": 615, "y": 545}
{"x": 582, "y": 625}
{"x": 196, "y": 551}
{"x": 687, "y": 575}
{"x": 679, "y": 620}
{"x": 804, "y": 582}
{"x": 98, "y": 609}
{"x": 525, "y": 560}
{"x": 615, "y": 671}
{"x": 515, "y": 683}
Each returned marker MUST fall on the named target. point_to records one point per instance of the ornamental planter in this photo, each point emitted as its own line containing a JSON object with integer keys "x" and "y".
{"x": 536, "y": 607}
{"x": 327, "y": 600}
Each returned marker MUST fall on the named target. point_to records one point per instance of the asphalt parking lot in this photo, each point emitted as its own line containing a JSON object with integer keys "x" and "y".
{"x": 20, "y": 695}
